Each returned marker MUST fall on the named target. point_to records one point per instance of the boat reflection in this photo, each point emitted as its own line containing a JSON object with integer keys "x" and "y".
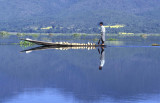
{"x": 61, "y": 48}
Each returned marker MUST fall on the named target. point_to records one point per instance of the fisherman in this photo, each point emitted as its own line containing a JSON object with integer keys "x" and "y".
{"x": 102, "y": 58}
{"x": 102, "y": 34}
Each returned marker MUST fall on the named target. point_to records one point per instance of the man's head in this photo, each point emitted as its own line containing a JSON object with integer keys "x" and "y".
{"x": 101, "y": 23}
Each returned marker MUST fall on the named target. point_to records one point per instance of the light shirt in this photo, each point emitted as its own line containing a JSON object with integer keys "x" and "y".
{"x": 103, "y": 30}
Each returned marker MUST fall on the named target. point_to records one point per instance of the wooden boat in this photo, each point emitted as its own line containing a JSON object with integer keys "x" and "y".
{"x": 60, "y": 45}
{"x": 63, "y": 44}
{"x": 66, "y": 46}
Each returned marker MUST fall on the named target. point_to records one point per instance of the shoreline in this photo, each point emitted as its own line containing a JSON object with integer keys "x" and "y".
{"x": 83, "y": 34}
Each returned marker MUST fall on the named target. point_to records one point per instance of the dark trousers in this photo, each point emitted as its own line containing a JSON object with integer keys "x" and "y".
{"x": 100, "y": 41}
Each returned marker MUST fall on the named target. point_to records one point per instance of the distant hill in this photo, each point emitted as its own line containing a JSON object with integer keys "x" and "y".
{"x": 79, "y": 15}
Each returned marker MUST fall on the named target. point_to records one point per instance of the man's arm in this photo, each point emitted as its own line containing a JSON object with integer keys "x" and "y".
{"x": 101, "y": 30}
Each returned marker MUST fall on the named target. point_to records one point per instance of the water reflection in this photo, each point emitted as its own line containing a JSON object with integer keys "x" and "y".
{"x": 101, "y": 50}
{"x": 102, "y": 57}
{"x": 57, "y": 48}
{"x": 130, "y": 75}
{"x": 62, "y": 48}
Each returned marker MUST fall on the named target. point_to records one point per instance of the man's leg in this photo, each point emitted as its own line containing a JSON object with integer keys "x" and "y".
{"x": 99, "y": 42}
{"x": 102, "y": 42}
{"x": 99, "y": 51}
{"x": 103, "y": 38}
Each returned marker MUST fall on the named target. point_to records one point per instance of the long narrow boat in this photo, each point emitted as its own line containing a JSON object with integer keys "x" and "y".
{"x": 66, "y": 46}
{"x": 63, "y": 44}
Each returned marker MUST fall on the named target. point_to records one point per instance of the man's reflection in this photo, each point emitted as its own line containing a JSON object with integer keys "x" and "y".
{"x": 102, "y": 57}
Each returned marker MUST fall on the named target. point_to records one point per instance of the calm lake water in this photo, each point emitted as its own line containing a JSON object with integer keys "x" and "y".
{"x": 131, "y": 73}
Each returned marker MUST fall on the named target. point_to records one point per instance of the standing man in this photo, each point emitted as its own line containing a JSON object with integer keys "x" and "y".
{"x": 102, "y": 33}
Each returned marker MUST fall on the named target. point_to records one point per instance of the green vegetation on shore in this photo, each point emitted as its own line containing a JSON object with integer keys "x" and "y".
{"x": 112, "y": 39}
{"x": 4, "y": 34}
{"x": 76, "y": 35}
{"x": 21, "y": 34}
